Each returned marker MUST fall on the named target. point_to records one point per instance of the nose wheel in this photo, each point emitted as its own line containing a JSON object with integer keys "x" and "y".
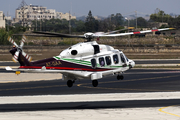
{"x": 120, "y": 77}
{"x": 95, "y": 83}
{"x": 70, "y": 83}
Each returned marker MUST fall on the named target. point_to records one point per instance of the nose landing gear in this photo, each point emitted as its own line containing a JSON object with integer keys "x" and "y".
{"x": 70, "y": 83}
{"x": 95, "y": 83}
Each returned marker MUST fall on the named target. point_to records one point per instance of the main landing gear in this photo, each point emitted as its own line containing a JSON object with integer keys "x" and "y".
{"x": 70, "y": 83}
{"x": 95, "y": 83}
{"x": 120, "y": 77}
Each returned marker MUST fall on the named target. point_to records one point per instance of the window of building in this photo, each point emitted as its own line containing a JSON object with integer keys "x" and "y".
{"x": 108, "y": 60}
{"x": 115, "y": 59}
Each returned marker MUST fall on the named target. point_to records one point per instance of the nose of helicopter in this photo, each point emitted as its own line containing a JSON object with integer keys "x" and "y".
{"x": 131, "y": 63}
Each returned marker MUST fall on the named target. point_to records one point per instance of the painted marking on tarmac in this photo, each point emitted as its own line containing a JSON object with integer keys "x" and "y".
{"x": 161, "y": 110}
{"x": 32, "y": 87}
{"x": 85, "y": 85}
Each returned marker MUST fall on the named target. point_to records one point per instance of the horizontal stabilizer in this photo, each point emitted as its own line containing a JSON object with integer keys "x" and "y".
{"x": 8, "y": 68}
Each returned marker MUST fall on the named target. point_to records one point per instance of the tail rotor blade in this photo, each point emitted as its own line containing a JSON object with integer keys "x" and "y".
{"x": 26, "y": 56}
{"x": 12, "y": 41}
{"x": 23, "y": 41}
{"x": 15, "y": 57}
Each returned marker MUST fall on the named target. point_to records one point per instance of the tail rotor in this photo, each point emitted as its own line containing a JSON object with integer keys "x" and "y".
{"x": 23, "y": 41}
{"x": 16, "y": 56}
{"x": 19, "y": 49}
{"x": 12, "y": 41}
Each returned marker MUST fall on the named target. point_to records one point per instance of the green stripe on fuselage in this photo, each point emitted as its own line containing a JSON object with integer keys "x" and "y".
{"x": 57, "y": 57}
{"x": 78, "y": 61}
{"x": 86, "y": 62}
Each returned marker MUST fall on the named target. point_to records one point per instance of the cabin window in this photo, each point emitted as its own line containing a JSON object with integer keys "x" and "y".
{"x": 108, "y": 60}
{"x": 122, "y": 58}
{"x": 101, "y": 61}
{"x": 74, "y": 52}
{"x": 115, "y": 59}
{"x": 93, "y": 63}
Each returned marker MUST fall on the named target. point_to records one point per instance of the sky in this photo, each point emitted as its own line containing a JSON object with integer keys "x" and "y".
{"x": 98, "y": 7}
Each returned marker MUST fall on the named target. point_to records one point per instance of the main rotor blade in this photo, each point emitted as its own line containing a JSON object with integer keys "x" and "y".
{"x": 35, "y": 35}
{"x": 131, "y": 33}
{"x": 12, "y": 41}
{"x": 111, "y": 32}
{"x": 60, "y": 35}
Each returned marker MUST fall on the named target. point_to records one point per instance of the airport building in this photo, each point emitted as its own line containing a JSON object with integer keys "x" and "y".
{"x": 67, "y": 16}
{"x": 2, "y": 20}
{"x": 27, "y": 13}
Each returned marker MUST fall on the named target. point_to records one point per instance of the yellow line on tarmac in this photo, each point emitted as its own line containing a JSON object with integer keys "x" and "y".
{"x": 161, "y": 110}
{"x": 86, "y": 85}
{"x": 32, "y": 87}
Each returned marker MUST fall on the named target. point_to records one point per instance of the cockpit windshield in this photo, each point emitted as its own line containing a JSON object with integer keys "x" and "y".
{"x": 126, "y": 58}
{"x": 123, "y": 58}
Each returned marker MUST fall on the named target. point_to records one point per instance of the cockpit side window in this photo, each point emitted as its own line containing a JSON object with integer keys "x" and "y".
{"x": 122, "y": 58}
{"x": 108, "y": 60}
{"x": 96, "y": 49}
{"x": 115, "y": 59}
{"x": 101, "y": 61}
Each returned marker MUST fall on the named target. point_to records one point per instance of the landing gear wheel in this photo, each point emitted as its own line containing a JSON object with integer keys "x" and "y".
{"x": 95, "y": 83}
{"x": 120, "y": 77}
{"x": 70, "y": 83}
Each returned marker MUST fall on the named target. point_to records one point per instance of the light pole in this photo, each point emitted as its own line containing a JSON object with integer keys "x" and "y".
{"x": 39, "y": 24}
{"x": 129, "y": 42}
{"x": 36, "y": 22}
{"x": 128, "y": 23}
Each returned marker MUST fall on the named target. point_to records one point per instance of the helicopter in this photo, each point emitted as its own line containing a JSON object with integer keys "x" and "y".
{"x": 85, "y": 60}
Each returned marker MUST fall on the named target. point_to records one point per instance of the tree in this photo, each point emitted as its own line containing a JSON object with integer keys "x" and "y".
{"x": 90, "y": 23}
{"x": 141, "y": 22}
{"x": 160, "y": 16}
{"x": 4, "y": 36}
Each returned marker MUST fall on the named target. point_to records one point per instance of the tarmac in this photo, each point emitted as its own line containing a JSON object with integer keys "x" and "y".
{"x": 27, "y": 77}
{"x": 134, "y": 113}
{"x": 145, "y": 113}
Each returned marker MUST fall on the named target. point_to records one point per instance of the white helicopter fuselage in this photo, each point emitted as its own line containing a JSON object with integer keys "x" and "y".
{"x": 103, "y": 59}
{"x": 87, "y": 60}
